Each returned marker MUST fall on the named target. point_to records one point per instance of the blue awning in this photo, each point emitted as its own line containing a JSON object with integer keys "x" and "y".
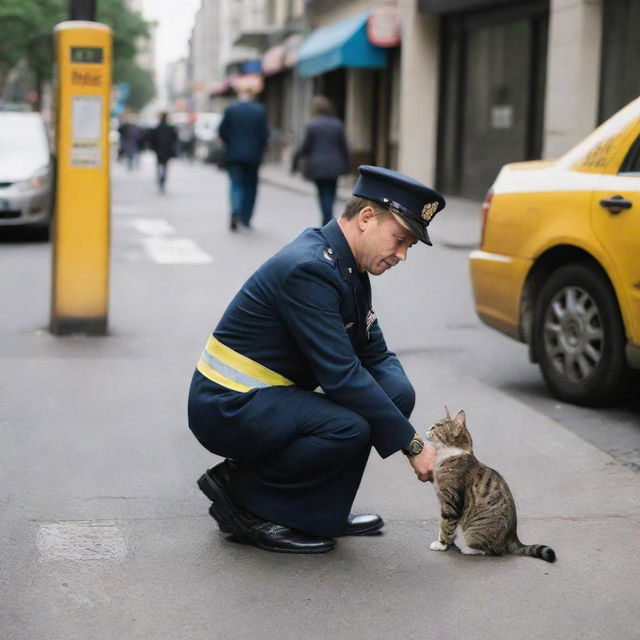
{"x": 343, "y": 44}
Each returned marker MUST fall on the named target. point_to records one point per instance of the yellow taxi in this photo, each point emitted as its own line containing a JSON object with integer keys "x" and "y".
{"x": 559, "y": 262}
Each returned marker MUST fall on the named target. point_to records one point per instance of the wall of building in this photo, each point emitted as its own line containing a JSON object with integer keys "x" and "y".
{"x": 418, "y": 104}
{"x": 571, "y": 86}
{"x": 205, "y": 53}
{"x": 339, "y": 11}
{"x": 573, "y": 73}
{"x": 359, "y": 113}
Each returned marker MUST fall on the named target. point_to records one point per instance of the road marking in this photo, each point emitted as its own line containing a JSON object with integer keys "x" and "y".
{"x": 162, "y": 245}
{"x": 175, "y": 251}
{"x": 152, "y": 227}
{"x": 81, "y": 540}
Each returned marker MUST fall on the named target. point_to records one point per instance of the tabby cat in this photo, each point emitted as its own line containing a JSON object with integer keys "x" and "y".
{"x": 476, "y": 505}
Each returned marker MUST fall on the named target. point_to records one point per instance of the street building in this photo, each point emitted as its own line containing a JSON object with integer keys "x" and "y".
{"x": 444, "y": 90}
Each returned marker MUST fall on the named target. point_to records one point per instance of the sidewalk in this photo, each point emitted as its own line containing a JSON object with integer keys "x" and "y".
{"x": 458, "y": 227}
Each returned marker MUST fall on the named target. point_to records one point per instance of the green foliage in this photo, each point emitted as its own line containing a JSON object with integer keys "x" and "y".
{"x": 128, "y": 28}
{"x": 142, "y": 88}
{"x": 26, "y": 33}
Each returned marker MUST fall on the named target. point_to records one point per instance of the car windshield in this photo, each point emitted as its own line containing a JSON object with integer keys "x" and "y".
{"x": 21, "y": 134}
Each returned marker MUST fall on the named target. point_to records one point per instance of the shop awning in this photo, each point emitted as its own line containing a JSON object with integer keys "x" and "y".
{"x": 342, "y": 44}
{"x": 273, "y": 60}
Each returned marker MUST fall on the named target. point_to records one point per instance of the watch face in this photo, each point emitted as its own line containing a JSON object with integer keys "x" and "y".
{"x": 416, "y": 446}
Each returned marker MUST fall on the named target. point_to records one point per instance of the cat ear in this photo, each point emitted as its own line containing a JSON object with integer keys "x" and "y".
{"x": 461, "y": 418}
{"x": 447, "y": 411}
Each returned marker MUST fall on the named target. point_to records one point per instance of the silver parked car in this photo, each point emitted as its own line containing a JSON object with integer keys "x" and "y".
{"x": 26, "y": 170}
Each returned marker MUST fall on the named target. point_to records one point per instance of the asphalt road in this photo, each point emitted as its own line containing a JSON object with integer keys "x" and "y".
{"x": 103, "y": 533}
{"x": 196, "y": 206}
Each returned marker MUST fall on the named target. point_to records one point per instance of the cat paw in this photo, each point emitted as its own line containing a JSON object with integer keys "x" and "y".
{"x": 436, "y": 545}
{"x": 468, "y": 551}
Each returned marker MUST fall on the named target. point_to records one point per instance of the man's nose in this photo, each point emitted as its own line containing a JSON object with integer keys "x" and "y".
{"x": 401, "y": 253}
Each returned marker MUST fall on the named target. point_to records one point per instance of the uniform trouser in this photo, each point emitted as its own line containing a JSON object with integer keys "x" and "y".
{"x": 244, "y": 188}
{"x": 302, "y": 458}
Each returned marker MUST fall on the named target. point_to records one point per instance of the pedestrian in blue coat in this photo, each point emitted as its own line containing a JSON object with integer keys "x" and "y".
{"x": 324, "y": 154}
{"x": 245, "y": 132}
{"x": 304, "y": 321}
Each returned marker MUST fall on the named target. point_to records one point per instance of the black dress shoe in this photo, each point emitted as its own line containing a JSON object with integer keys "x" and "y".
{"x": 215, "y": 483}
{"x": 220, "y": 517}
{"x": 248, "y": 528}
{"x": 275, "y": 537}
{"x": 362, "y": 525}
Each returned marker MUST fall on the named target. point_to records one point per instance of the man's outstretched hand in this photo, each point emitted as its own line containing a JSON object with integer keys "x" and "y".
{"x": 424, "y": 462}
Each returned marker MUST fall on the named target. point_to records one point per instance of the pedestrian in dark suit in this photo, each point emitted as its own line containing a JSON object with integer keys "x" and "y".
{"x": 163, "y": 140}
{"x": 130, "y": 139}
{"x": 305, "y": 320}
{"x": 245, "y": 132}
{"x": 324, "y": 154}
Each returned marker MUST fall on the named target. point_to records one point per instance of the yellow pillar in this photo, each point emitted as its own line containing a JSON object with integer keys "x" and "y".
{"x": 80, "y": 286}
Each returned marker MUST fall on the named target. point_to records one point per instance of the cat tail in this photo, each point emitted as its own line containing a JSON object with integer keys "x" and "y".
{"x": 535, "y": 550}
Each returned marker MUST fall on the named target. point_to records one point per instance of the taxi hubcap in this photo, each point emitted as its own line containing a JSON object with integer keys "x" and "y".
{"x": 573, "y": 335}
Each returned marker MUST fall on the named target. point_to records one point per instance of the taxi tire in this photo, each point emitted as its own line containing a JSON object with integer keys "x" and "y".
{"x": 608, "y": 381}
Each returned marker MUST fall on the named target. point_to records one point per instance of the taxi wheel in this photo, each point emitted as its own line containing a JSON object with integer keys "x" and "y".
{"x": 579, "y": 336}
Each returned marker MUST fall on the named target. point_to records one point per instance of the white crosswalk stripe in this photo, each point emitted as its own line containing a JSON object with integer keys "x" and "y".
{"x": 162, "y": 245}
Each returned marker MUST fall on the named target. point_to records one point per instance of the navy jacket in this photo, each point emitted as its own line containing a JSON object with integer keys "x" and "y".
{"x": 324, "y": 149}
{"x": 306, "y": 314}
{"x": 163, "y": 141}
{"x": 244, "y": 131}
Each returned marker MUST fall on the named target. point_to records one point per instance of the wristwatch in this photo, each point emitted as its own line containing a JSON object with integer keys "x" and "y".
{"x": 414, "y": 447}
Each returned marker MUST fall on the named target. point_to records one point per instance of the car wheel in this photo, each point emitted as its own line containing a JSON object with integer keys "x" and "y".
{"x": 579, "y": 336}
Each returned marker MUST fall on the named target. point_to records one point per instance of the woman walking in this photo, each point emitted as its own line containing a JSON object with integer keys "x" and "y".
{"x": 324, "y": 153}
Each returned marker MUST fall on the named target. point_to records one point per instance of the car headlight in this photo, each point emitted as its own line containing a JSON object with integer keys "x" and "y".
{"x": 36, "y": 181}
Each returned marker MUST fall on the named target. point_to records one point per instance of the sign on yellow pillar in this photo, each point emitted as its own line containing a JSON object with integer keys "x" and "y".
{"x": 80, "y": 287}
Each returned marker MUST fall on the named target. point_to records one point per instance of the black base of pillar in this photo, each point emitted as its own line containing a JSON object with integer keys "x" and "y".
{"x": 78, "y": 326}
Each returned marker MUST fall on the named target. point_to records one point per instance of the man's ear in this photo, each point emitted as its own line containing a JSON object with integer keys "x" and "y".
{"x": 365, "y": 216}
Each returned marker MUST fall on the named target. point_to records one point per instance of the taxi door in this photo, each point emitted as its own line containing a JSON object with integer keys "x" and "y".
{"x": 615, "y": 211}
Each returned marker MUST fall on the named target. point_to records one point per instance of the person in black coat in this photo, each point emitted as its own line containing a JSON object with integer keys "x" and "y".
{"x": 324, "y": 154}
{"x": 245, "y": 132}
{"x": 304, "y": 321}
{"x": 163, "y": 140}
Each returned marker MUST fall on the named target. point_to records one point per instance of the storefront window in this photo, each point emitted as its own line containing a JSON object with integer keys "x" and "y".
{"x": 492, "y": 95}
{"x": 620, "y": 72}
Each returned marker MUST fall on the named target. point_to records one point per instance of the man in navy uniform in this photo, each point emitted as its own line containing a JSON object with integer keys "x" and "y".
{"x": 303, "y": 321}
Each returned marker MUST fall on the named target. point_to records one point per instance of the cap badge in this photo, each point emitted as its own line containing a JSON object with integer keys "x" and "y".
{"x": 429, "y": 210}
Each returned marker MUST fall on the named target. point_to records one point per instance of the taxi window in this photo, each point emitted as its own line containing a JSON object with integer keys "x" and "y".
{"x": 631, "y": 163}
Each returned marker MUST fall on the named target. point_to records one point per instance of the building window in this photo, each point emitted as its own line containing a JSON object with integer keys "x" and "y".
{"x": 620, "y": 70}
{"x": 493, "y": 70}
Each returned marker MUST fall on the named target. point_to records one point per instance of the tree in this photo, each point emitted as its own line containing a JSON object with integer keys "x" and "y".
{"x": 26, "y": 32}
{"x": 128, "y": 29}
{"x": 142, "y": 87}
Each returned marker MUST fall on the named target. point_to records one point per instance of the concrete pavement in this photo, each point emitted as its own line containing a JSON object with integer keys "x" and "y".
{"x": 103, "y": 533}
